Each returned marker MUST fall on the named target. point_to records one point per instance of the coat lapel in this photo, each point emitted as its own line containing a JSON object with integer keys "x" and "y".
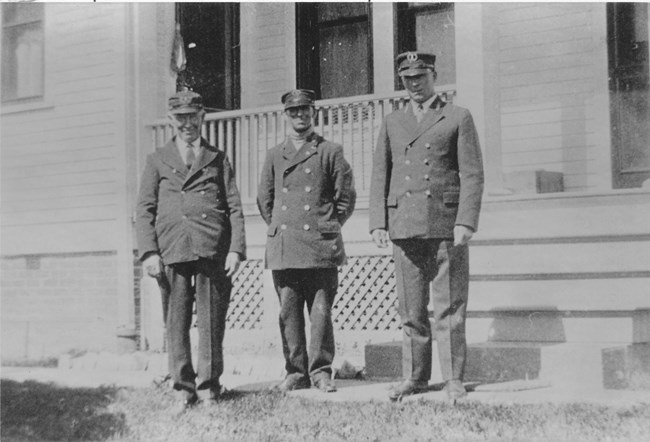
{"x": 306, "y": 151}
{"x": 169, "y": 155}
{"x": 406, "y": 119}
{"x": 206, "y": 156}
{"x": 436, "y": 112}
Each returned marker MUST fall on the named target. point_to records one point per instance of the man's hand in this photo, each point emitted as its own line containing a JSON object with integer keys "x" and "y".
{"x": 232, "y": 263}
{"x": 153, "y": 265}
{"x": 462, "y": 234}
{"x": 380, "y": 238}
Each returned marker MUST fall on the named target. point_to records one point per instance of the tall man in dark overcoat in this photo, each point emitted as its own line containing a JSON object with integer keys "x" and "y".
{"x": 190, "y": 231}
{"x": 306, "y": 193}
{"x": 425, "y": 197}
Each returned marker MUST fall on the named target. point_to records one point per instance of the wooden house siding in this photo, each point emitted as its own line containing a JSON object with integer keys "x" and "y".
{"x": 268, "y": 52}
{"x": 552, "y": 81}
{"x": 60, "y": 171}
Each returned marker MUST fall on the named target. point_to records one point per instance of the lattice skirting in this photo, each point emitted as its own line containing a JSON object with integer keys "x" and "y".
{"x": 366, "y": 298}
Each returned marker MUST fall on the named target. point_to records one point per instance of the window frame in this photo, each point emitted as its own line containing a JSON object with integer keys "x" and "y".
{"x": 19, "y": 104}
{"x": 307, "y": 35}
{"x": 404, "y": 14}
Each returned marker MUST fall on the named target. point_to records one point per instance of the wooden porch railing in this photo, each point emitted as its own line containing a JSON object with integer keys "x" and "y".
{"x": 245, "y": 135}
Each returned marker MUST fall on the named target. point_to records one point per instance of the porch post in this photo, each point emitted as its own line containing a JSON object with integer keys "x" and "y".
{"x": 477, "y": 82}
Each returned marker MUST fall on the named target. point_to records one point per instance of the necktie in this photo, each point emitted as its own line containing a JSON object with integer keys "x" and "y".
{"x": 420, "y": 112}
{"x": 189, "y": 156}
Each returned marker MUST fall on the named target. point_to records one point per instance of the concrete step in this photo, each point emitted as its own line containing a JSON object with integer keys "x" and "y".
{"x": 559, "y": 364}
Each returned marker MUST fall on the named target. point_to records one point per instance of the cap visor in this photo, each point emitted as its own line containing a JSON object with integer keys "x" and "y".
{"x": 298, "y": 104}
{"x": 185, "y": 110}
{"x": 413, "y": 71}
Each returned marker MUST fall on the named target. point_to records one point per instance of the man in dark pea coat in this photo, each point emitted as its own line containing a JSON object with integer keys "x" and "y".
{"x": 190, "y": 231}
{"x": 306, "y": 194}
{"x": 425, "y": 197}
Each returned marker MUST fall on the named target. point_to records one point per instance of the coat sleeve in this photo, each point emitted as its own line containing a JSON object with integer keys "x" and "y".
{"x": 147, "y": 209}
{"x": 266, "y": 189}
{"x": 345, "y": 195}
{"x": 470, "y": 164}
{"x": 238, "y": 232}
{"x": 380, "y": 181}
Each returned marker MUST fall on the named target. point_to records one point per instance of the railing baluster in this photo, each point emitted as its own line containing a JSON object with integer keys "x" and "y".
{"x": 212, "y": 133}
{"x": 229, "y": 142}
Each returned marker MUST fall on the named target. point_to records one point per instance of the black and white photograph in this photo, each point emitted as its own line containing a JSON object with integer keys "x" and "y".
{"x": 324, "y": 221}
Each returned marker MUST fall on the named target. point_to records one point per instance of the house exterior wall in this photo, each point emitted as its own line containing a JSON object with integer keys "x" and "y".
{"x": 553, "y": 92}
{"x": 268, "y": 52}
{"x": 67, "y": 163}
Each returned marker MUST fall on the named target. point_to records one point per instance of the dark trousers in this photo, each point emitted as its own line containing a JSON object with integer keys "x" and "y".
{"x": 316, "y": 288}
{"x": 418, "y": 262}
{"x": 211, "y": 290}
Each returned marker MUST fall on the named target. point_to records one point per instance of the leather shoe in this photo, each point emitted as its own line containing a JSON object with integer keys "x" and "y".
{"x": 210, "y": 396}
{"x": 323, "y": 381}
{"x": 455, "y": 390}
{"x": 407, "y": 388}
{"x": 294, "y": 381}
{"x": 187, "y": 400}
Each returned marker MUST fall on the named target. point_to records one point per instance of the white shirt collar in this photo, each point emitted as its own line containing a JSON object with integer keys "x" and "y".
{"x": 182, "y": 146}
{"x": 427, "y": 104}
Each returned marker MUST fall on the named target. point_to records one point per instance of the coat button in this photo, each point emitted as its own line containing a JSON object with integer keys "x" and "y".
{"x": 407, "y": 177}
{"x": 307, "y": 189}
{"x": 283, "y": 227}
{"x": 182, "y": 192}
{"x": 203, "y": 192}
{"x": 426, "y": 161}
{"x": 428, "y": 193}
{"x": 204, "y": 216}
{"x": 426, "y": 177}
{"x": 285, "y": 190}
{"x": 306, "y": 227}
{"x": 334, "y": 247}
{"x": 174, "y": 171}
{"x": 408, "y": 193}
{"x": 407, "y": 162}
{"x": 284, "y": 207}
{"x": 184, "y": 216}
{"x": 427, "y": 145}
{"x": 308, "y": 170}
{"x": 307, "y": 207}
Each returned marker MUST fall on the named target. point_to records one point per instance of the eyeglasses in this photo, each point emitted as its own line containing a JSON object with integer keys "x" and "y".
{"x": 294, "y": 111}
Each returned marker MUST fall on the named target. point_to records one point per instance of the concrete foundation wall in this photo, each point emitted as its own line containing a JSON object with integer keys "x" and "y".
{"x": 53, "y": 304}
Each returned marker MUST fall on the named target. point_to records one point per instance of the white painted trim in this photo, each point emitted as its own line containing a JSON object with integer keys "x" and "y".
{"x": 383, "y": 30}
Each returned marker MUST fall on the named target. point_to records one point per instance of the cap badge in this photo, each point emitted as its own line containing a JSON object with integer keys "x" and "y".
{"x": 411, "y": 57}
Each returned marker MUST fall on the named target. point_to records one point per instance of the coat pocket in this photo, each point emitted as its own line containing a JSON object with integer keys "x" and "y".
{"x": 329, "y": 228}
{"x": 391, "y": 201}
{"x": 272, "y": 230}
{"x": 450, "y": 198}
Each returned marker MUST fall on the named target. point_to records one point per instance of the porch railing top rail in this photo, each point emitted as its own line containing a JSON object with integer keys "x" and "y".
{"x": 446, "y": 90}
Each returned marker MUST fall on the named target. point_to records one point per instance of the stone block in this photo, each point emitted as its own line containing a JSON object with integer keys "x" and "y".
{"x": 626, "y": 367}
{"x": 384, "y": 360}
{"x": 503, "y": 362}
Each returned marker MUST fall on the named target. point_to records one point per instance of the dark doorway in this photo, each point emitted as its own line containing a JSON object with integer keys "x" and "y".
{"x": 629, "y": 93}
{"x": 211, "y": 35}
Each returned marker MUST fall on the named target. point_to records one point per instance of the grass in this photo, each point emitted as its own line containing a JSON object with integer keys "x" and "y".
{"x": 34, "y": 411}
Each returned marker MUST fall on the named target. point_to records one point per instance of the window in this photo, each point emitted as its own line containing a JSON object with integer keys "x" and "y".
{"x": 22, "y": 51}
{"x": 629, "y": 93}
{"x": 211, "y": 35}
{"x": 428, "y": 27}
{"x": 334, "y": 49}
